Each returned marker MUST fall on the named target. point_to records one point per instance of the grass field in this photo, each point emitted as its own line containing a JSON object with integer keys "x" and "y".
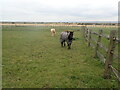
{"x": 32, "y": 58}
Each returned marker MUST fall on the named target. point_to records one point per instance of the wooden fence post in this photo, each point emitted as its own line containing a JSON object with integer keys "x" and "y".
{"x": 83, "y": 28}
{"x": 85, "y": 31}
{"x": 109, "y": 59}
{"x": 98, "y": 41}
{"x": 89, "y": 37}
{"x": 87, "y": 34}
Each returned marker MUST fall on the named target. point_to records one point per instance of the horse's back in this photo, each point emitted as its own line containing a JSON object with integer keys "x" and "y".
{"x": 64, "y": 36}
{"x": 52, "y": 30}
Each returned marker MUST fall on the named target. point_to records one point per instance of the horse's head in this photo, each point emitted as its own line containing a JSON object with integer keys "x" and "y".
{"x": 70, "y": 37}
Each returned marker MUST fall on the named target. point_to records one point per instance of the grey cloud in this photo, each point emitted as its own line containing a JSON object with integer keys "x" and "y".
{"x": 26, "y": 10}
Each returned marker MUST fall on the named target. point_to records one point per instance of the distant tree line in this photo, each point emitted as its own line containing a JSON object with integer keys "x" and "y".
{"x": 60, "y": 23}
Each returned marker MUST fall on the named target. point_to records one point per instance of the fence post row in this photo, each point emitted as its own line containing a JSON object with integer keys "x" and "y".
{"x": 109, "y": 59}
{"x": 110, "y": 51}
{"x": 97, "y": 44}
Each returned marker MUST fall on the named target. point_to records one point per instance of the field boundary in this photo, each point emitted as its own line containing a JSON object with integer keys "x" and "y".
{"x": 108, "y": 58}
{"x": 3, "y": 24}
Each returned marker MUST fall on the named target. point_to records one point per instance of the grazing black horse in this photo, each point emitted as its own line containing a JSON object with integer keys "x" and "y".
{"x": 66, "y": 36}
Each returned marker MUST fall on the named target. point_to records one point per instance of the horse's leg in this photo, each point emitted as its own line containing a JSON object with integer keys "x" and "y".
{"x": 61, "y": 44}
{"x": 69, "y": 46}
{"x": 54, "y": 33}
{"x": 64, "y": 44}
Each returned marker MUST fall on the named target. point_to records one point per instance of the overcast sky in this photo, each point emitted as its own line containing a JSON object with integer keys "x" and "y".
{"x": 59, "y": 10}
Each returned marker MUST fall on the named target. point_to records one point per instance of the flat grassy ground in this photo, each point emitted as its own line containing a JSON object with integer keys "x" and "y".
{"x": 32, "y": 58}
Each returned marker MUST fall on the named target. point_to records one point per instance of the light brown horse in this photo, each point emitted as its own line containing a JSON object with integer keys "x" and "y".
{"x": 53, "y": 32}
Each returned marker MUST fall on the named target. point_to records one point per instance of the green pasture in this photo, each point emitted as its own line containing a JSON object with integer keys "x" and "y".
{"x": 32, "y": 58}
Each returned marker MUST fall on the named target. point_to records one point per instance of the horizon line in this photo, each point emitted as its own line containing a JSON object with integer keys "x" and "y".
{"x": 64, "y": 21}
